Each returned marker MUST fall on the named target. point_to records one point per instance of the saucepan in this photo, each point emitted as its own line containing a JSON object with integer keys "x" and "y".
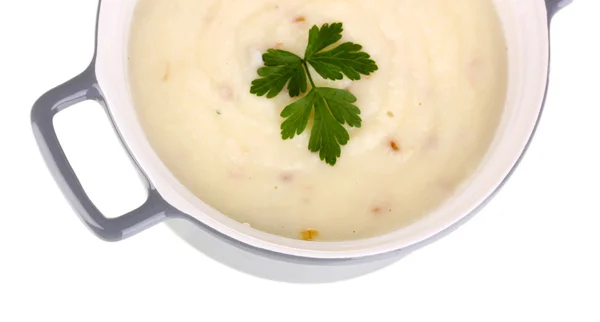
{"x": 526, "y": 27}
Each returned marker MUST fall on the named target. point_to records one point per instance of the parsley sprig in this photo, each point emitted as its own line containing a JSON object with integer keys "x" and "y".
{"x": 332, "y": 107}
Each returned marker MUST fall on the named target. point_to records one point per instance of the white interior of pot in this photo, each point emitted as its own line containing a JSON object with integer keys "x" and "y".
{"x": 525, "y": 27}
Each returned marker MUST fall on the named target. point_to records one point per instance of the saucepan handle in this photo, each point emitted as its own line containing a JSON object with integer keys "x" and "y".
{"x": 553, "y": 6}
{"x": 85, "y": 87}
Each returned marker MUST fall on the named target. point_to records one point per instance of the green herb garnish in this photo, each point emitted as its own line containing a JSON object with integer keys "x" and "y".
{"x": 332, "y": 107}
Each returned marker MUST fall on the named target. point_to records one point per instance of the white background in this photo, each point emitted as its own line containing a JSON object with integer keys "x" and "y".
{"x": 532, "y": 255}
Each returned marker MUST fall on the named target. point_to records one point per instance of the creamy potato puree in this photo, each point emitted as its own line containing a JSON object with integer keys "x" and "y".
{"x": 429, "y": 113}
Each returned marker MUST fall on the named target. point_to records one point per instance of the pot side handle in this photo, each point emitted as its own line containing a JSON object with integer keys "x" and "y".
{"x": 554, "y": 6}
{"x": 85, "y": 87}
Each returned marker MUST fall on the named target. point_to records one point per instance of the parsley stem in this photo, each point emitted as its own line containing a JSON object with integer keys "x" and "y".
{"x": 312, "y": 83}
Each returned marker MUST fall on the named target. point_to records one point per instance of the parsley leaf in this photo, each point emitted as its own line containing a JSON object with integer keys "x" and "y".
{"x": 340, "y": 103}
{"x": 331, "y": 108}
{"x": 297, "y": 115}
{"x": 346, "y": 59}
{"x": 327, "y": 134}
{"x": 280, "y": 67}
{"x": 319, "y": 39}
